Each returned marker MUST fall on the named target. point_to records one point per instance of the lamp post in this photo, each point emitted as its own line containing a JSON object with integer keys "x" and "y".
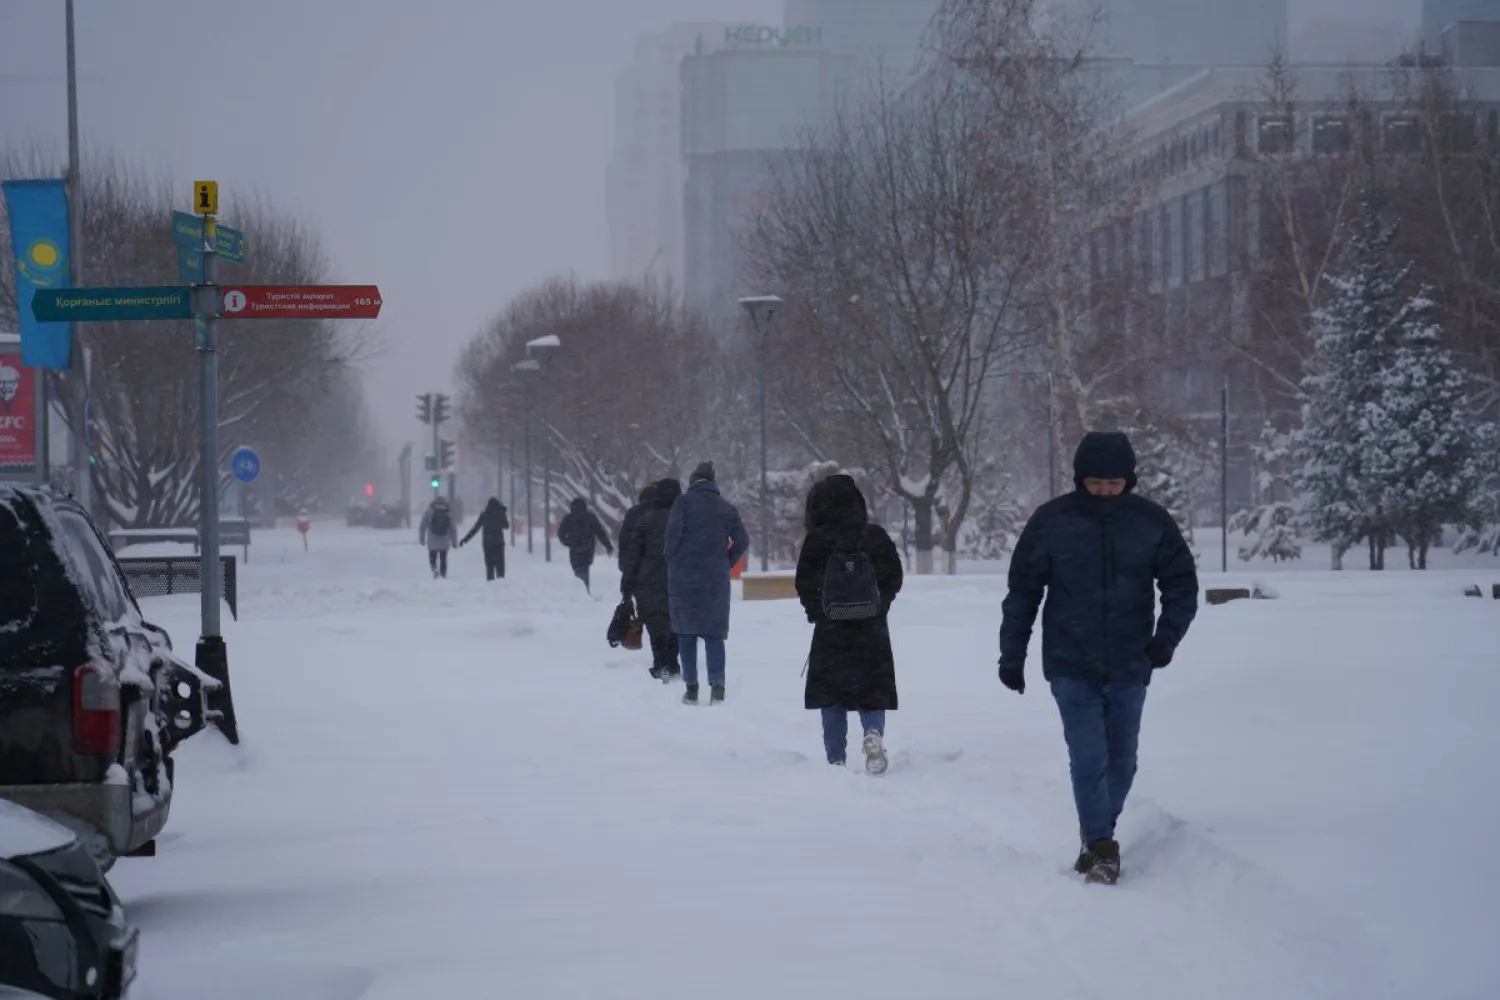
{"x": 762, "y": 309}
{"x": 528, "y": 366}
{"x": 544, "y": 346}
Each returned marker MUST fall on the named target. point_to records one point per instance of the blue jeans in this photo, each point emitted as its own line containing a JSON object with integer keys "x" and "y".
{"x": 1102, "y": 725}
{"x": 687, "y": 645}
{"x": 836, "y": 729}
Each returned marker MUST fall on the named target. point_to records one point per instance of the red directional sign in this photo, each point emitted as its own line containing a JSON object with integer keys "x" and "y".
{"x": 301, "y": 302}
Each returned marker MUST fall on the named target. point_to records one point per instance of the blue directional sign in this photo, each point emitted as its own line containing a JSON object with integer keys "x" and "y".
{"x": 187, "y": 232}
{"x": 245, "y": 464}
{"x": 190, "y": 266}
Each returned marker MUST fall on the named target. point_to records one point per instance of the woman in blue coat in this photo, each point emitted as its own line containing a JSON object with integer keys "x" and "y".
{"x": 705, "y": 537}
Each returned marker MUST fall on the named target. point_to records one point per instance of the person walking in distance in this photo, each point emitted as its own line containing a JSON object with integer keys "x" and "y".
{"x": 578, "y": 532}
{"x": 437, "y": 532}
{"x": 705, "y": 537}
{"x": 494, "y": 521}
{"x": 1095, "y": 555}
{"x": 848, "y": 574}
{"x": 643, "y": 575}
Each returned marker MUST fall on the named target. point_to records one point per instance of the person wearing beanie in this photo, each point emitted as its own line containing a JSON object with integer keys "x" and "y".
{"x": 1095, "y": 555}
{"x": 705, "y": 538}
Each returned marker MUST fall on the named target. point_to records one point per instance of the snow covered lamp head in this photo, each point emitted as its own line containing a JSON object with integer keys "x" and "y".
{"x": 10, "y": 384}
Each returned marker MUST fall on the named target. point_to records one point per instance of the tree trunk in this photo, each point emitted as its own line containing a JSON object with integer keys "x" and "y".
{"x": 1422, "y": 555}
{"x": 922, "y": 510}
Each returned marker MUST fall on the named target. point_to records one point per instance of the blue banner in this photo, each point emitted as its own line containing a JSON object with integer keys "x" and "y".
{"x": 39, "y": 237}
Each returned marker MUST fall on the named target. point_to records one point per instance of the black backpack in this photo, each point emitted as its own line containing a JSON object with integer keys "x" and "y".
{"x": 851, "y": 590}
{"x": 441, "y": 522}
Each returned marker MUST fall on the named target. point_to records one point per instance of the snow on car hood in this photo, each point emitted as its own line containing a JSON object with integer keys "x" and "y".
{"x": 24, "y": 832}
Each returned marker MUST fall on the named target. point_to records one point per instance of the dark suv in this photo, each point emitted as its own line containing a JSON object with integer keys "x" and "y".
{"x": 92, "y": 698}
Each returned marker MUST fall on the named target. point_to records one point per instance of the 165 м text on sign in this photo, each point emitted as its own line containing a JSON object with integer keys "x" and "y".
{"x": 301, "y": 302}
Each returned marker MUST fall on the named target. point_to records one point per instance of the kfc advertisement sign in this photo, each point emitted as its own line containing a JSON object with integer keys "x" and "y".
{"x": 18, "y": 428}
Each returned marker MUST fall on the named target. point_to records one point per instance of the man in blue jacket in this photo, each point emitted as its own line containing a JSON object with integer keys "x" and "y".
{"x": 1096, "y": 554}
{"x": 705, "y": 537}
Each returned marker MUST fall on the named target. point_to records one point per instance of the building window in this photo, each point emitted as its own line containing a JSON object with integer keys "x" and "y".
{"x": 1216, "y": 211}
{"x": 1274, "y": 135}
{"x": 1403, "y": 134}
{"x": 1459, "y": 133}
{"x": 1331, "y": 135}
{"x": 1192, "y": 239}
{"x": 1492, "y": 128}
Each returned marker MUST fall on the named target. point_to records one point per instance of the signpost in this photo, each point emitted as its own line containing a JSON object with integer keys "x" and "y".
{"x": 201, "y": 243}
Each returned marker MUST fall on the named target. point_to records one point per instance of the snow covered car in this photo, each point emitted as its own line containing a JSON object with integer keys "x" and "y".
{"x": 92, "y": 698}
{"x": 62, "y": 931}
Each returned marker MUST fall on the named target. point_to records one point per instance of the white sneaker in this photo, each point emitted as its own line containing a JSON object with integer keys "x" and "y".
{"x": 875, "y": 759}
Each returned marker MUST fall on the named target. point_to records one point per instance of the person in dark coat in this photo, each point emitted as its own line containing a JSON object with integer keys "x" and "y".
{"x": 627, "y": 525}
{"x": 643, "y": 568}
{"x": 579, "y": 530}
{"x": 851, "y": 667}
{"x": 1096, "y": 553}
{"x": 705, "y": 537}
{"x": 494, "y": 521}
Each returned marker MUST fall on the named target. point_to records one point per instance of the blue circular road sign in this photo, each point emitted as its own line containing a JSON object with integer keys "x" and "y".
{"x": 245, "y": 464}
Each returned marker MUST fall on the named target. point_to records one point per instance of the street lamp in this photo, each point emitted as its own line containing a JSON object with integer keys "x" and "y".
{"x": 544, "y": 346}
{"x": 763, "y": 309}
{"x": 528, "y": 366}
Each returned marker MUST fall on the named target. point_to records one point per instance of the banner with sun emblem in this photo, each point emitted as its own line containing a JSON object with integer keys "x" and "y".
{"x": 39, "y": 237}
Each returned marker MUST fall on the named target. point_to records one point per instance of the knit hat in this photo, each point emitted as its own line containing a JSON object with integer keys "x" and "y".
{"x": 704, "y": 473}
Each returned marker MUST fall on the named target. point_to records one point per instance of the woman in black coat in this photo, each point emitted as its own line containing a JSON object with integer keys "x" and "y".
{"x": 851, "y": 667}
{"x": 494, "y": 521}
{"x": 643, "y": 574}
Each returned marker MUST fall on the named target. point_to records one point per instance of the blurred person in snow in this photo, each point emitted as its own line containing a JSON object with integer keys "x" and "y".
{"x": 705, "y": 538}
{"x": 848, "y": 574}
{"x": 578, "y": 532}
{"x": 494, "y": 521}
{"x": 1095, "y": 554}
{"x": 437, "y": 531}
{"x": 643, "y": 574}
{"x": 627, "y": 525}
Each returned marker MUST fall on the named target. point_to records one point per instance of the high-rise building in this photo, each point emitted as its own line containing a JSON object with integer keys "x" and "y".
{"x": 1438, "y": 14}
{"x": 1199, "y": 33}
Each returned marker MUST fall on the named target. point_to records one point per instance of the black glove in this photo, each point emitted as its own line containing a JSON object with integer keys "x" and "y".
{"x": 1159, "y": 652}
{"x": 1013, "y": 677}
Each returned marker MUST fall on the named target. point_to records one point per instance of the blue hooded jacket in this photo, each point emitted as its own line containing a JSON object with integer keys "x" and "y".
{"x": 705, "y": 537}
{"x": 1096, "y": 560}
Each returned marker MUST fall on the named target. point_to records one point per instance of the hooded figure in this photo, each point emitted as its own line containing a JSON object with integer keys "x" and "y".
{"x": 494, "y": 521}
{"x": 851, "y": 667}
{"x": 1095, "y": 554}
{"x": 643, "y": 574}
{"x": 438, "y": 532}
{"x": 579, "y": 530}
{"x": 705, "y": 537}
{"x": 627, "y": 525}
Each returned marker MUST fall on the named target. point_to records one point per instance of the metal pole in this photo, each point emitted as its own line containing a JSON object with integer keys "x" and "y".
{"x": 765, "y": 476}
{"x": 208, "y": 508}
{"x": 510, "y": 475}
{"x": 530, "y": 507}
{"x": 1224, "y": 475}
{"x": 78, "y": 452}
{"x": 1051, "y": 440}
{"x": 437, "y": 453}
{"x": 546, "y": 469}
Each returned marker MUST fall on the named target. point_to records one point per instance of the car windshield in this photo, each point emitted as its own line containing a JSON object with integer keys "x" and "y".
{"x": 18, "y": 592}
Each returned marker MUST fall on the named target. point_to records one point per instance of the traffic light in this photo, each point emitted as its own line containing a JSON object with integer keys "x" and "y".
{"x": 439, "y": 408}
{"x": 437, "y": 483}
{"x": 445, "y": 458}
{"x": 369, "y": 490}
{"x": 424, "y": 407}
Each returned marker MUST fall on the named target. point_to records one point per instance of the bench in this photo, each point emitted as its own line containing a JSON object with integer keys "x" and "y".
{"x": 232, "y": 531}
{"x": 769, "y": 587}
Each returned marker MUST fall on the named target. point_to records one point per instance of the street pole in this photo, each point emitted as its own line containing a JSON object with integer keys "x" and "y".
{"x": 546, "y": 470}
{"x": 765, "y": 475}
{"x": 78, "y": 450}
{"x": 1224, "y": 474}
{"x": 530, "y": 531}
{"x": 1051, "y": 439}
{"x": 510, "y": 475}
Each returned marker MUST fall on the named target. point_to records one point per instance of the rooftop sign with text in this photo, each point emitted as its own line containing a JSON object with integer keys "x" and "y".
{"x": 765, "y": 35}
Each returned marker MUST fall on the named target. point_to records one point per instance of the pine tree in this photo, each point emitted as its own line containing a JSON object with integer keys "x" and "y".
{"x": 1159, "y": 476}
{"x": 1356, "y": 333}
{"x": 1270, "y": 527}
{"x": 1430, "y": 455}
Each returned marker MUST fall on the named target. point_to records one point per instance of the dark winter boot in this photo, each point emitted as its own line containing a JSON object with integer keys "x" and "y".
{"x": 1085, "y": 862}
{"x": 715, "y": 694}
{"x": 1106, "y": 868}
{"x": 655, "y": 673}
{"x": 690, "y": 696}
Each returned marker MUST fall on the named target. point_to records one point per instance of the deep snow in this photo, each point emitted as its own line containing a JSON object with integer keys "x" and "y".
{"x": 449, "y": 788}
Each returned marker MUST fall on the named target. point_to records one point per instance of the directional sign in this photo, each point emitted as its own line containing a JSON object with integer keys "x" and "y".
{"x": 103, "y": 305}
{"x": 301, "y": 301}
{"x": 187, "y": 232}
{"x": 245, "y": 464}
{"x": 190, "y": 265}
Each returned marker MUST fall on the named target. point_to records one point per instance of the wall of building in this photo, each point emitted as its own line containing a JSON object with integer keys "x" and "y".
{"x": 1438, "y": 14}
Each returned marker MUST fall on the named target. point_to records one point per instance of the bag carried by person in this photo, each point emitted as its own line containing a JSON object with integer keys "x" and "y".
{"x": 625, "y": 628}
{"x": 851, "y": 590}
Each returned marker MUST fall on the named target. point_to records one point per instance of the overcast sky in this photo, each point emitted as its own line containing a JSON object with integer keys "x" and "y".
{"x": 451, "y": 151}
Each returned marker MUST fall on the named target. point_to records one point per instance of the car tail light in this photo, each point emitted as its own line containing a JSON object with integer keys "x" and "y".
{"x": 96, "y": 711}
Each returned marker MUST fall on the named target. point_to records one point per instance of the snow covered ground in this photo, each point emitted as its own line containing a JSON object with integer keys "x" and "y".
{"x": 457, "y": 789}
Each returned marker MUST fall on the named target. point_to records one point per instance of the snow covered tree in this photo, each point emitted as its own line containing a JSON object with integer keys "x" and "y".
{"x": 1427, "y": 451}
{"x": 1270, "y": 527}
{"x": 1356, "y": 335}
{"x": 1160, "y": 474}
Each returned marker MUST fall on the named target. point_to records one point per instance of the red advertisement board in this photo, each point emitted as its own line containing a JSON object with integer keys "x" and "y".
{"x": 301, "y": 301}
{"x": 18, "y": 427}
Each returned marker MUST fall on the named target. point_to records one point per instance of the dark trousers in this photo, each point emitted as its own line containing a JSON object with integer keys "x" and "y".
{"x": 581, "y": 570}
{"x": 663, "y": 648}
{"x": 438, "y": 559}
{"x": 1102, "y": 725}
{"x": 494, "y": 562}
